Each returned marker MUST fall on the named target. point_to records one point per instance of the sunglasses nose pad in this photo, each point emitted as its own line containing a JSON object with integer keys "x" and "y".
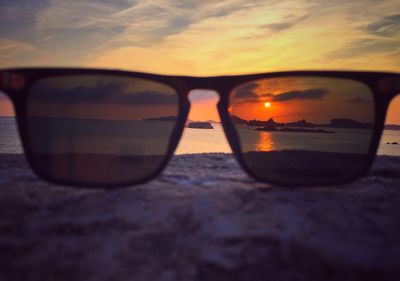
{"x": 203, "y": 132}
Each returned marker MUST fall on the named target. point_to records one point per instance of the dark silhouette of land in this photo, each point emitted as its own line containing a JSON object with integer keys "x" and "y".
{"x": 174, "y": 118}
{"x": 349, "y": 123}
{"x": 293, "y": 130}
{"x": 302, "y": 123}
{"x": 200, "y": 125}
{"x": 392, "y": 127}
{"x": 271, "y": 125}
{"x": 238, "y": 120}
{"x": 162, "y": 118}
{"x": 301, "y": 126}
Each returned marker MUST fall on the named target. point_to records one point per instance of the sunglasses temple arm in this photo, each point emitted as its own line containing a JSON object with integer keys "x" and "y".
{"x": 397, "y": 85}
{"x": 4, "y": 81}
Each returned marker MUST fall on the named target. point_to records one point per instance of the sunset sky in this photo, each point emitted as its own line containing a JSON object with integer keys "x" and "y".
{"x": 314, "y": 99}
{"x": 202, "y": 38}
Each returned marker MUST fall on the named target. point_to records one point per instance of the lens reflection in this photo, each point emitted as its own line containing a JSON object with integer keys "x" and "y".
{"x": 303, "y": 130}
{"x": 100, "y": 129}
{"x": 265, "y": 142}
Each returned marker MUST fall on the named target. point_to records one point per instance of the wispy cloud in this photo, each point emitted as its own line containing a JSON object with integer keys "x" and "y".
{"x": 15, "y": 52}
{"x": 133, "y": 22}
{"x": 361, "y": 47}
{"x": 203, "y": 37}
{"x": 74, "y": 14}
{"x": 285, "y": 24}
{"x": 387, "y": 26}
{"x": 105, "y": 90}
{"x": 248, "y": 93}
{"x": 379, "y": 37}
{"x": 309, "y": 94}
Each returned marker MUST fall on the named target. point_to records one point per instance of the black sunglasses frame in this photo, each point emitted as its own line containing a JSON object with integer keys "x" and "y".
{"x": 16, "y": 83}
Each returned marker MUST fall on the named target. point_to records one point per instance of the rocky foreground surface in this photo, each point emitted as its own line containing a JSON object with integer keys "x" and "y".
{"x": 203, "y": 219}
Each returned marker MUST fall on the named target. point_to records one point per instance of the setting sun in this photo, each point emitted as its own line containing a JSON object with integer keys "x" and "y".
{"x": 267, "y": 104}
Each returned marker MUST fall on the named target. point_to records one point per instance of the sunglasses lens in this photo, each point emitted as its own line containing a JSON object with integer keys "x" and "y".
{"x": 100, "y": 129}
{"x": 304, "y": 130}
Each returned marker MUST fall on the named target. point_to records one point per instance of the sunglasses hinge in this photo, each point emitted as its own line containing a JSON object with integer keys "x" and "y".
{"x": 4, "y": 80}
{"x": 12, "y": 81}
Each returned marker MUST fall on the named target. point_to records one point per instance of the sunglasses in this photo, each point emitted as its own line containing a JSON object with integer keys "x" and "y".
{"x": 105, "y": 128}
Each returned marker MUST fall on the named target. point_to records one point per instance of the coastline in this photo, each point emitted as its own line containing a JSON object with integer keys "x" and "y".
{"x": 202, "y": 219}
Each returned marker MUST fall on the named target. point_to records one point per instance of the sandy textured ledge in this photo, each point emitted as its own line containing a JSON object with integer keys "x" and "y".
{"x": 203, "y": 219}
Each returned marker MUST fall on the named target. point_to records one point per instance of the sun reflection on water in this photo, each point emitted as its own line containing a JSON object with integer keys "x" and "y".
{"x": 265, "y": 142}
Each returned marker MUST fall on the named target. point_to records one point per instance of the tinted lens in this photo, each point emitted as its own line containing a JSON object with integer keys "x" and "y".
{"x": 304, "y": 130}
{"x": 99, "y": 129}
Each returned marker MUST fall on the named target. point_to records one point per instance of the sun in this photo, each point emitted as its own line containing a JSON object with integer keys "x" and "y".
{"x": 267, "y": 104}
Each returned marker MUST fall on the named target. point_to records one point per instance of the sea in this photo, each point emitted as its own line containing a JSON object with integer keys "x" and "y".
{"x": 210, "y": 141}
{"x": 196, "y": 141}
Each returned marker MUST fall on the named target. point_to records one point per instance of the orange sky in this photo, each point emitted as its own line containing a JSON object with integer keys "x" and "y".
{"x": 203, "y": 37}
{"x": 315, "y": 99}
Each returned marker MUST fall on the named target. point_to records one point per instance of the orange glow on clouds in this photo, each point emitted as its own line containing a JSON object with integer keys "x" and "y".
{"x": 315, "y": 99}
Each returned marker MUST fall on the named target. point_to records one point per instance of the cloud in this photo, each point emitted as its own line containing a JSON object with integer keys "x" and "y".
{"x": 17, "y": 52}
{"x": 361, "y": 47}
{"x": 103, "y": 92}
{"x": 139, "y": 22}
{"x": 280, "y": 26}
{"x": 246, "y": 91}
{"x": 394, "y": 57}
{"x": 17, "y": 10}
{"x": 309, "y": 94}
{"x": 246, "y": 94}
{"x": 11, "y": 45}
{"x": 382, "y": 36}
{"x": 387, "y": 26}
{"x": 207, "y": 37}
{"x": 77, "y": 14}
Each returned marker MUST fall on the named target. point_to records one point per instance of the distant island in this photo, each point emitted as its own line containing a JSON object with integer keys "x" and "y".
{"x": 238, "y": 120}
{"x": 293, "y": 130}
{"x": 392, "y": 127}
{"x": 349, "y": 123}
{"x": 271, "y": 125}
{"x": 162, "y": 118}
{"x": 200, "y": 125}
{"x": 174, "y": 118}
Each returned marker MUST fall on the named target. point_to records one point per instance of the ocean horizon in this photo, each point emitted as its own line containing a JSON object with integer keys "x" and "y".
{"x": 197, "y": 141}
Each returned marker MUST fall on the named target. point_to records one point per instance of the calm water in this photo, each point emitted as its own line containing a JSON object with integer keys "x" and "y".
{"x": 199, "y": 141}
{"x": 204, "y": 141}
